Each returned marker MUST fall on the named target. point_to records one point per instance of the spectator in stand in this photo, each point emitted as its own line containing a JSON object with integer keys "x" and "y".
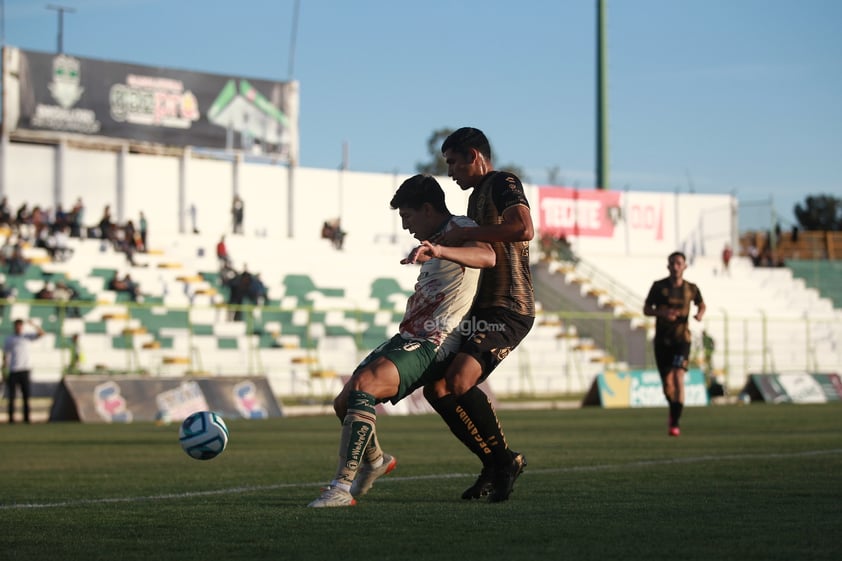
{"x": 22, "y": 221}
{"x": 128, "y": 242}
{"x": 258, "y": 293}
{"x": 64, "y": 294}
{"x": 332, "y": 230}
{"x": 58, "y": 244}
{"x": 46, "y": 292}
{"x": 16, "y": 262}
{"x": 127, "y": 285}
{"x": 222, "y": 254}
{"x": 106, "y": 224}
{"x": 5, "y": 213}
{"x": 60, "y": 219}
{"x": 16, "y": 366}
{"x": 727, "y": 254}
{"x": 237, "y": 213}
{"x": 77, "y": 357}
{"x": 144, "y": 229}
{"x": 129, "y": 233}
{"x": 77, "y": 219}
{"x": 38, "y": 219}
{"x": 7, "y": 293}
{"x": 6, "y": 251}
{"x": 754, "y": 255}
{"x": 194, "y": 218}
{"x": 240, "y": 290}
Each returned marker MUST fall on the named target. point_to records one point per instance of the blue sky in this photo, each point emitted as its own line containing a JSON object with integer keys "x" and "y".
{"x": 713, "y": 96}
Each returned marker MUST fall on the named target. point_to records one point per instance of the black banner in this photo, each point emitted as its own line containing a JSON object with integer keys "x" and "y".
{"x": 66, "y": 94}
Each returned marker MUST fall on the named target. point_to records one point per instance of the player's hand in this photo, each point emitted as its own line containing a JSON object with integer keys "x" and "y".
{"x": 670, "y": 314}
{"x": 420, "y": 254}
{"x": 424, "y": 252}
{"x": 410, "y": 259}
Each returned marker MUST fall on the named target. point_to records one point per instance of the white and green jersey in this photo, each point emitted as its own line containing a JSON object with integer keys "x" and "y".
{"x": 444, "y": 294}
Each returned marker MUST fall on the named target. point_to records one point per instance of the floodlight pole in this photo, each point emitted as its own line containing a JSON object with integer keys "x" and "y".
{"x": 293, "y": 39}
{"x": 293, "y": 157}
{"x": 61, "y": 10}
{"x": 601, "y": 101}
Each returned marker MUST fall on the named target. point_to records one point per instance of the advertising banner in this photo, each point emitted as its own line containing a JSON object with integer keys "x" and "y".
{"x": 595, "y": 221}
{"x": 569, "y": 212}
{"x": 642, "y": 388}
{"x": 794, "y": 388}
{"x": 60, "y": 93}
{"x": 124, "y": 399}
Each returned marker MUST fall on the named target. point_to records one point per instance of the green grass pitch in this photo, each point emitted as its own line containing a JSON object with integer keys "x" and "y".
{"x": 742, "y": 482}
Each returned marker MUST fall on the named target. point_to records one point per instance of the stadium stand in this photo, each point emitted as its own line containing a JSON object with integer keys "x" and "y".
{"x": 822, "y": 275}
{"x": 763, "y": 319}
{"x": 325, "y": 309}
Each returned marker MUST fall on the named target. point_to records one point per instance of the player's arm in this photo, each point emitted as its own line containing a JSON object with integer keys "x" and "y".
{"x": 516, "y": 227}
{"x": 477, "y": 255}
{"x": 38, "y": 330}
{"x": 652, "y": 308}
{"x": 700, "y": 310}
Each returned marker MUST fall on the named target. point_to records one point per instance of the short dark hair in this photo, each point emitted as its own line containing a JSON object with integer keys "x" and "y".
{"x": 18, "y": 321}
{"x": 417, "y": 190}
{"x": 677, "y": 254}
{"x": 463, "y": 140}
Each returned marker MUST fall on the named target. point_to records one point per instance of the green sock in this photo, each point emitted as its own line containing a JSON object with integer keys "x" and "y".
{"x": 357, "y": 431}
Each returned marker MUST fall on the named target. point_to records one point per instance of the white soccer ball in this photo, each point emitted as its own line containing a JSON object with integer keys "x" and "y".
{"x": 203, "y": 435}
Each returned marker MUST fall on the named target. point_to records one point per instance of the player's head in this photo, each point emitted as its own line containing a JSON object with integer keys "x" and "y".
{"x": 18, "y": 325}
{"x": 462, "y": 141}
{"x": 420, "y": 202}
{"x": 676, "y": 263}
{"x": 467, "y": 153}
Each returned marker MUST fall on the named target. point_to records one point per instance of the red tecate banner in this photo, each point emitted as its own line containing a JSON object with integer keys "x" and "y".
{"x": 578, "y": 213}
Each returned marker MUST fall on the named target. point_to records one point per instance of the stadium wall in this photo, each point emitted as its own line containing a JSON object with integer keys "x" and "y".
{"x": 170, "y": 189}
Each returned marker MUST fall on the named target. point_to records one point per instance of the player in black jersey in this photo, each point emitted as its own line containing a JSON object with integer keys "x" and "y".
{"x": 669, "y": 302}
{"x": 502, "y": 315}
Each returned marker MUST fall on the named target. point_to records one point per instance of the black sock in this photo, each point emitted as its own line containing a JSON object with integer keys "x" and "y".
{"x": 462, "y": 426}
{"x": 675, "y": 412}
{"x": 478, "y": 407}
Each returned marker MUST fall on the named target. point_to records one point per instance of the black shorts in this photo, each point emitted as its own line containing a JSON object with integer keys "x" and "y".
{"x": 492, "y": 333}
{"x": 669, "y": 357}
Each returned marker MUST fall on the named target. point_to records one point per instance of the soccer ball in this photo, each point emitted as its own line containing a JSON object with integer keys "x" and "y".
{"x": 203, "y": 435}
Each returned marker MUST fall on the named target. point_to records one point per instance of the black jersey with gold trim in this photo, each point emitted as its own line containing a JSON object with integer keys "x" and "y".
{"x": 664, "y": 294}
{"x": 509, "y": 283}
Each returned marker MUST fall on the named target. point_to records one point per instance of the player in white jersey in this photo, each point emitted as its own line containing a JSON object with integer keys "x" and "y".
{"x": 444, "y": 293}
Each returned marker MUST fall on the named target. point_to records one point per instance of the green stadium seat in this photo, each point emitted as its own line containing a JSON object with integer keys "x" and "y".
{"x": 227, "y": 343}
{"x": 383, "y": 288}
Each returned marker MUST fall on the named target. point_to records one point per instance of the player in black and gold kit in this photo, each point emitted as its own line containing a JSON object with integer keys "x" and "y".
{"x": 669, "y": 302}
{"x": 502, "y": 315}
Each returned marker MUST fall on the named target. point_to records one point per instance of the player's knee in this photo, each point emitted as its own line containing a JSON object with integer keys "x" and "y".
{"x": 459, "y": 386}
{"x": 340, "y": 406}
{"x": 435, "y": 391}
